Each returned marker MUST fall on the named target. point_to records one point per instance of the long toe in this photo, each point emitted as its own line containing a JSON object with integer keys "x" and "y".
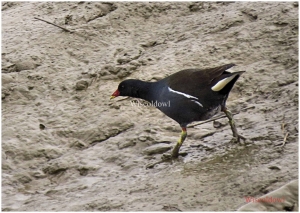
{"x": 237, "y": 139}
{"x": 167, "y": 156}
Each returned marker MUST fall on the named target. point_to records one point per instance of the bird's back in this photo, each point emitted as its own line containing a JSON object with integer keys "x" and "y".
{"x": 196, "y": 94}
{"x": 192, "y": 81}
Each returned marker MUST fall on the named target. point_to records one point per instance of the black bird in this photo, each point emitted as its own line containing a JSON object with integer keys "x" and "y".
{"x": 192, "y": 94}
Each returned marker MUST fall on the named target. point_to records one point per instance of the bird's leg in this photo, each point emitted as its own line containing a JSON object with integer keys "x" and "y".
{"x": 175, "y": 152}
{"x": 232, "y": 124}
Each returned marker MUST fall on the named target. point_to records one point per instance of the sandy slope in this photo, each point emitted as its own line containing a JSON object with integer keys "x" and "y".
{"x": 65, "y": 146}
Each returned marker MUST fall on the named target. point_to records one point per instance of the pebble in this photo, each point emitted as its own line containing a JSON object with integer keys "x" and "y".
{"x": 6, "y": 79}
{"x": 157, "y": 149}
{"x": 9, "y": 67}
{"x": 274, "y": 168}
{"x": 125, "y": 144}
{"x": 81, "y": 85}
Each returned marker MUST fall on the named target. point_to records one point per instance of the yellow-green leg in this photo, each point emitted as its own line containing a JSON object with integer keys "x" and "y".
{"x": 232, "y": 125}
{"x": 175, "y": 150}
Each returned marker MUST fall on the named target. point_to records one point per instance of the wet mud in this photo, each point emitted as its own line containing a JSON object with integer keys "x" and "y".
{"x": 67, "y": 147}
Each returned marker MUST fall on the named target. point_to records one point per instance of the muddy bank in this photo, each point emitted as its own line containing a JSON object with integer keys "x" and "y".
{"x": 66, "y": 147}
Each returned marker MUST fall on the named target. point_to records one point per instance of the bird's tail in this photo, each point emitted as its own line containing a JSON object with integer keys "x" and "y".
{"x": 226, "y": 81}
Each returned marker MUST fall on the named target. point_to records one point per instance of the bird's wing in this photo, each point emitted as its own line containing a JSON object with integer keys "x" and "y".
{"x": 194, "y": 81}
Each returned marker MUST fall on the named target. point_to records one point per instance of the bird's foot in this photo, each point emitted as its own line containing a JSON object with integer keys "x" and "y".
{"x": 237, "y": 138}
{"x": 173, "y": 156}
{"x": 151, "y": 165}
{"x": 167, "y": 157}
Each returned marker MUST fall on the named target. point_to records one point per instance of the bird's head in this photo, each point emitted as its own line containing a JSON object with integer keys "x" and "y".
{"x": 128, "y": 87}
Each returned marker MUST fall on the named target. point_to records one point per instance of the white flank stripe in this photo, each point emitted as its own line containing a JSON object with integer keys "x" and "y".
{"x": 181, "y": 93}
{"x": 221, "y": 84}
{"x": 186, "y": 95}
{"x": 197, "y": 103}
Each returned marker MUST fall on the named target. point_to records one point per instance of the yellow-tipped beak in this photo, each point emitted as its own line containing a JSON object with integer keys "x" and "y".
{"x": 115, "y": 94}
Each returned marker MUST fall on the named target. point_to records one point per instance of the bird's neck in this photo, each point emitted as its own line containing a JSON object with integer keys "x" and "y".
{"x": 144, "y": 90}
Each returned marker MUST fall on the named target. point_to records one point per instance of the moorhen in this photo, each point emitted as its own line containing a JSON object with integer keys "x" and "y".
{"x": 191, "y": 94}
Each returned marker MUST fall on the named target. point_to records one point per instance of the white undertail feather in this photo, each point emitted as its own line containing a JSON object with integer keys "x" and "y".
{"x": 221, "y": 84}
